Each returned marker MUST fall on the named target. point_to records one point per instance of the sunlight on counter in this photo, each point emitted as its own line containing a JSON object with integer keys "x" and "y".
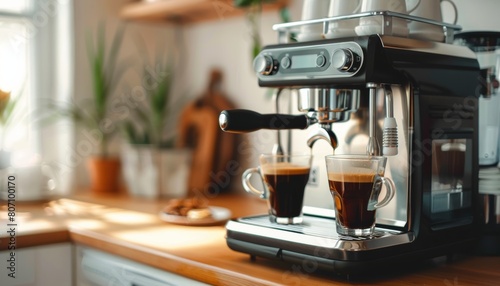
{"x": 86, "y": 223}
{"x": 36, "y": 225}
{"x": 128, "y": 217}
{"x": 20, "y": 216}
{"x": 93, "y": 216}
{"x": 173, "y": 238}
{"x": 72, "y": 207}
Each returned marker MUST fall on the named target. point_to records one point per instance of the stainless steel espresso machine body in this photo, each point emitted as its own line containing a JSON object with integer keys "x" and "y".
{"x": 410, "y": 100}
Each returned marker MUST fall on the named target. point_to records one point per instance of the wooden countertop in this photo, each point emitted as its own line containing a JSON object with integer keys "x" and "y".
{"x": 130, "y": 227}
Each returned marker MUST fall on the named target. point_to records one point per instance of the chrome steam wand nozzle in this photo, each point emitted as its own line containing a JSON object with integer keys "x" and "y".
{"x": 372, "y": 148}
{"x": 390, "y": 133}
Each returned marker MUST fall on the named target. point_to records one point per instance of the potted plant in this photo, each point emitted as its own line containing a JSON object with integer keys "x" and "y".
{"x": 93, "y": 115}
{"x": 152, "y": 166}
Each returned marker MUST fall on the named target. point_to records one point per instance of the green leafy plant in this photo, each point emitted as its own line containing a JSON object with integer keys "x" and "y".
{"x": 147, "y": 122}
{"x": 106, "y": 73}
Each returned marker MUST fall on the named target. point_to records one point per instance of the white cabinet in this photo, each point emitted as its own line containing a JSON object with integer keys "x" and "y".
{"x": 46, "y": 265}
{"x": 95, "y": 267}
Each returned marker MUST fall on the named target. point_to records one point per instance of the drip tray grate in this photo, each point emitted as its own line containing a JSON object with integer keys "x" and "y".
{"x": 314, "y": 226}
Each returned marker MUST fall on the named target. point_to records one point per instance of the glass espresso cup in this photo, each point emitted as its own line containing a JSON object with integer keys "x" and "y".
{"x": 285, "y": 178}
{"x": 355, "y": 183}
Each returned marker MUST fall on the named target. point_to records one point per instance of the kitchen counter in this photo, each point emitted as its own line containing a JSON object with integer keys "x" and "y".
{"x": 131, "y": 228}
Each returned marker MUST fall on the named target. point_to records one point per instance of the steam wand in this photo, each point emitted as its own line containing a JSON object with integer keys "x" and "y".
{"x": 390, "y": 133}
{"x": 372, "y": 148}
{"x": 277, "y": 148}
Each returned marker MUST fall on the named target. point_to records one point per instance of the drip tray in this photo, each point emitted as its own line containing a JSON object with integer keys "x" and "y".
{"x": 316, "y": 238}
{"x": 313, "y": 226}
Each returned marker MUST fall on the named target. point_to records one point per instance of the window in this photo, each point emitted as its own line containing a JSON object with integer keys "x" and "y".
{"x": 36, "y": 65}
{"x": 16, "y": 65}
{"x": 15, "y": 7}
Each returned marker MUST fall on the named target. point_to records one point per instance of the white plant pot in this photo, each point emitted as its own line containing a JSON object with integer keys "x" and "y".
{"x": 152, "y": 173}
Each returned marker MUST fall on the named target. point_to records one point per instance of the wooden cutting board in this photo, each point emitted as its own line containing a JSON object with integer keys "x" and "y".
{"x": 213, "y": 149}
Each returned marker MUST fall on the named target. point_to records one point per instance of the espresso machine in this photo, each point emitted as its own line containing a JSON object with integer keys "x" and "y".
{"x": 411, "y": 100}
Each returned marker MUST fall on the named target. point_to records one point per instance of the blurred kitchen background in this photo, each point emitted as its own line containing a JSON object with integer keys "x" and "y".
{"x": 44, "y": 61}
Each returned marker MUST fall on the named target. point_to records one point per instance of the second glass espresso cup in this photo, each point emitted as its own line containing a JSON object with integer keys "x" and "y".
{"x": 355, "y": 183}
{"x": 285, "y": 178}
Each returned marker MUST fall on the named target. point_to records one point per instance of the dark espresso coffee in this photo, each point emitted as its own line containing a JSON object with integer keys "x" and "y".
{"x": 286, "y": 183}
{"x": 351, "y": 193}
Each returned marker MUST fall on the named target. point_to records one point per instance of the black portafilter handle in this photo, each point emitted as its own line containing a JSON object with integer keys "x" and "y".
{"x": 243, "y": 121}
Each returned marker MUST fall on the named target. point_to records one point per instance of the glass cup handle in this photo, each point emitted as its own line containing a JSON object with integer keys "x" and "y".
{"x": 408, "y": 11}
{"x": 454, "y": 9}
{"x": 245, "y": 179}
{"x": 390, "y": 191}
{"x": 358, "y": 7}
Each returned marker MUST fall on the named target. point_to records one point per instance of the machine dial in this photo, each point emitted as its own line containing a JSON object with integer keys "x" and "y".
{"x": 320, "y": 61}
{"x": 345, "y": 60}
{"x": 263, "y": 64}
{"x": 286, "y": 62}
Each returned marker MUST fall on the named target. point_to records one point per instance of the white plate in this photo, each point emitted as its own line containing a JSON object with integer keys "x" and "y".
{"x": 219, "y": 215}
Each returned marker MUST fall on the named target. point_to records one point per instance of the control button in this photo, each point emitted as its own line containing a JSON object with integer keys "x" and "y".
{"x": 320, "y": 61}
{"x": 286, "y": 62}
{"x": 345, "y": 60}
{"x": 263, "y": 64}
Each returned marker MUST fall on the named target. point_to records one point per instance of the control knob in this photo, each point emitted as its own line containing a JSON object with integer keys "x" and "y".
{"x": 263, "y": 64}
{"x": 345, "y": 60}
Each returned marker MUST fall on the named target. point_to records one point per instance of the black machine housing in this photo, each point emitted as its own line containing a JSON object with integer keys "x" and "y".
{"x": 441, "y": 82}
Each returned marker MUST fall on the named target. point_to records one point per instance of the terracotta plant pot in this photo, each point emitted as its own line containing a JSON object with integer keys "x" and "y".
{"x": 104, "y": 174}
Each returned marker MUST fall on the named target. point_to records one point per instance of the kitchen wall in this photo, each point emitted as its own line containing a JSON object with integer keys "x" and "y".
{"x": 225, "y": 43}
